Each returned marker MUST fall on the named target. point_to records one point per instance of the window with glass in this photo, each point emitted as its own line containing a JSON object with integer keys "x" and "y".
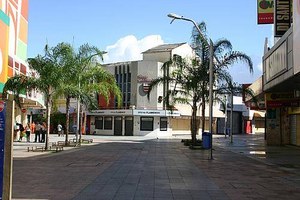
{"x": 163, "y": 123}
{"x": 107, "y": 123}
{"x": 99, "y": 122}
{"x": 147, "y": 123}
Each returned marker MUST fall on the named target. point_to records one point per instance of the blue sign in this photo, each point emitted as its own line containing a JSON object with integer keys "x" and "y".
{"x": 2, "y": 136}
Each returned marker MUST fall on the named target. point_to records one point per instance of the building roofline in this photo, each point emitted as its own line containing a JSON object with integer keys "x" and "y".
{"x": 164, "y": 48}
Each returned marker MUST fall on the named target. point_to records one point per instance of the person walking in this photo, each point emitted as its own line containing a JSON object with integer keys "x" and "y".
{"x": 28, "y": 131}
{"x": 21, "y": 129}
{"x": 44, "y": 130}
{"x": 59, "y": 130}
{"x": 16, "y": 130}
{"x": 37, "y": 132}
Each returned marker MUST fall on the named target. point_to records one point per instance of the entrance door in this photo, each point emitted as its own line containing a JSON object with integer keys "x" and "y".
{"x": 293, "y": 128}
{"x": 118, "y": 126}
{"x": 129, "y": 126}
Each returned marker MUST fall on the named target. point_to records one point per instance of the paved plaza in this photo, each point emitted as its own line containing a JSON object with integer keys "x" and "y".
{"x": 149, "y": 168}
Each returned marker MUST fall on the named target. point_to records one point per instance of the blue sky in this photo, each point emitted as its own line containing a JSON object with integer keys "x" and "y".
{"x": 134, "y": 25}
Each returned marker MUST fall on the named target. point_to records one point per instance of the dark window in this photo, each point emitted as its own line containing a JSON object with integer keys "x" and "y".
{"x": 129, "y": 77}
{"x": 163, "y": 124}
{"x": 147, "y": 123}
{"x": 128, "y": 87}
{"x": 125, "y": 78}
{"x": 117, "y": 78}
{"x": 121, "y": 78}
{"x": 99, "y": 123}
{"x": 128, "y": 97}
{"x": 107, "y": 123}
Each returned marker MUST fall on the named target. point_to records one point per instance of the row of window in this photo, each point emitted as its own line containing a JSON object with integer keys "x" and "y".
{"x": 123, "y": 79}
{"x": 105, "y": 123}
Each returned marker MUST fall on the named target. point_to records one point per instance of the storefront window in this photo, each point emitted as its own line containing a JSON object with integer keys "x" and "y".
{"x": 99, "y": 122}
{"x": 147, "y": 123}
{"x": 107, "y": 123}
{"x": 163, "y": 124}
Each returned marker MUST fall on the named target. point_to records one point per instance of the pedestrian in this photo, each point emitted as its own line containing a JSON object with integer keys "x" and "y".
{"x": 21, "y": 129}
{"x": 16, "y": 130}
{"x": 28, "y": 131}
{"x": 59, "y": 129}
{"x": 37, "y": 132}
{"x": 44, "y": 130}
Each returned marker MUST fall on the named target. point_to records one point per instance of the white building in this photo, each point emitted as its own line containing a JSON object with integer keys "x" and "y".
{"x": 140, "y": 115}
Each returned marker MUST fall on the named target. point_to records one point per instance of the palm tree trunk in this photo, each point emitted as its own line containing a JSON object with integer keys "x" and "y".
{"x": 48, "y": 111}
{"x": 203, "y": 114}
{"x": 80, "y": 120}
{"x": 194, "y": 123}
{"x": 67, "y": 119}
{"x": 84, "y": 123}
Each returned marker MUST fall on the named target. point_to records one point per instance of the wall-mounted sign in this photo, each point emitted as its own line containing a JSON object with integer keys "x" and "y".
{"x": 149, "y": 112}
{"x": 111, "y": 112}
{"x": 282, "y": 17}
{"x": 143, "y": 79}
{"x": 284, "y": 99}
{"x": 276, "y": 63}
{"x": 265, "y": 11}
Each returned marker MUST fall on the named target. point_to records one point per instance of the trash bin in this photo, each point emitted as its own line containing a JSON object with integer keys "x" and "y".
{"x": 228, "y": 131}
{"x": 206, "y": 140}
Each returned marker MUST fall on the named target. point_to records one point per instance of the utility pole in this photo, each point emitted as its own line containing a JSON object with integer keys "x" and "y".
{"x": 231, "y": 117}
{"x": 8, "y": 150}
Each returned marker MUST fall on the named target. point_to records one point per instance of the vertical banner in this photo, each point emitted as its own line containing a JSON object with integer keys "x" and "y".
{"x": 4, "y": 32}
{"x": 282, "y": 17}
{"x": 2, "y": 136}
{"x": 265, "y": 11}
{"x": 296, "y": 35}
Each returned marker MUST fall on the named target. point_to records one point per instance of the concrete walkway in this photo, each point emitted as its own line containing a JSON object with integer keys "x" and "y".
{"x": 146, "y": 168}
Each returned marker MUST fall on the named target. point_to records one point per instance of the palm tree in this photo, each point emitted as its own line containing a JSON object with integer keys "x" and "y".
{"x": 82, "y": 77}
{"x": 184, "y": 77}
{"x": 224, "y": 57}
{"x": 46, "y": 77}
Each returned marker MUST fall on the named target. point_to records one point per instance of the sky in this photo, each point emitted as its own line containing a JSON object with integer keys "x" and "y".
{"x": 125, "y": 28}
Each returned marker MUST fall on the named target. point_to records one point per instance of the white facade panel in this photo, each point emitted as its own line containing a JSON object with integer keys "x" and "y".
{"x": 296, "y": 35}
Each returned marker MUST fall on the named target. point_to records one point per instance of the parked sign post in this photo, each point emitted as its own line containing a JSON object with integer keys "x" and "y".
{"x": 2, "y": 134}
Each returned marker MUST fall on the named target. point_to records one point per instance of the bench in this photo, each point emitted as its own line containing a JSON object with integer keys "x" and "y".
{"x": 59, "y": 146}
{"x": 36, "y": 148}
{"x": 72, "y": 142}
{"x": 87, "y": 140}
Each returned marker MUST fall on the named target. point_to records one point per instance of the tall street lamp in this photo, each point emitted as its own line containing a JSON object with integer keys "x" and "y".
{"x": 210, "y": 44}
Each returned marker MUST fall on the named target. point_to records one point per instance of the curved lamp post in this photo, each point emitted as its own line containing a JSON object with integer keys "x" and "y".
{"x": 210, "y": 44}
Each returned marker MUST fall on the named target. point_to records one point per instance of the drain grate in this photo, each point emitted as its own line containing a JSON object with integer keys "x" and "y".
{"x": 84, "y": 164}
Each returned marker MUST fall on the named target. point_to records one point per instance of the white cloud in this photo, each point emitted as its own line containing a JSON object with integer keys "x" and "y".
{"x": 129, "y": 48}
{"x": 259, "y": 67}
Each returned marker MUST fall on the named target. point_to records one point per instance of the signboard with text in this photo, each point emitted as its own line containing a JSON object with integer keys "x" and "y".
{"x": 2, "y": 136}
{"x": 282, "y": 17}
{"x": 265, "y": 11}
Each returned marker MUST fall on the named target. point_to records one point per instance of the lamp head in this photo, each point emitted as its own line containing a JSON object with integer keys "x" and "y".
{"x": 174, "y": 16}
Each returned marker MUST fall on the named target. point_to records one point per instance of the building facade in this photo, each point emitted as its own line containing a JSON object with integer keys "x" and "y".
{"x": 13, "y": 53}
{"x": 142, "y": 115}
{"x": 280, "y": 83}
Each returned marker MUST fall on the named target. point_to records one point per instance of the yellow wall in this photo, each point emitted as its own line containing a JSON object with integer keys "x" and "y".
{"x": 180, "y": 124}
